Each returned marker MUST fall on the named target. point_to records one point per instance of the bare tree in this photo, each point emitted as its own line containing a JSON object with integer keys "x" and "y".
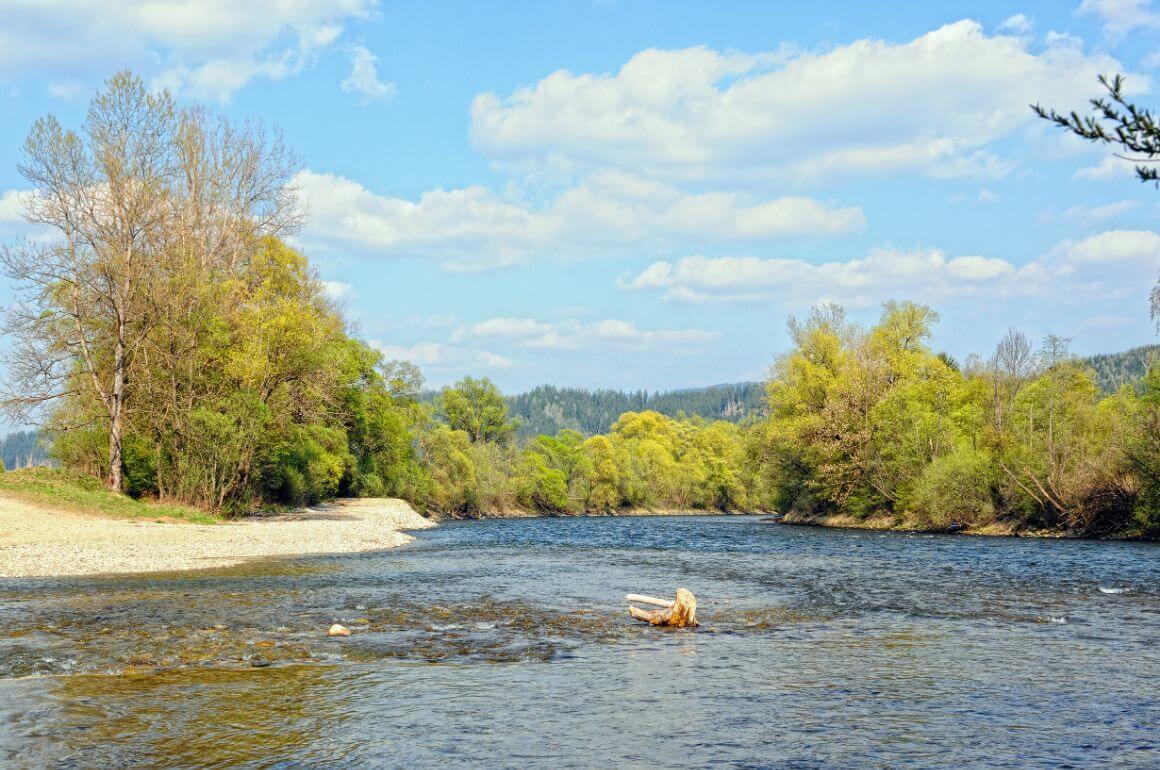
{"x": 83, "y": 310}
{"x": 1012, "y": 364}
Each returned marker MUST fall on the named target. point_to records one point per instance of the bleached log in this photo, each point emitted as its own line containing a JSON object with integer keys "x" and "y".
{"x": 639, "y": 599}
{"x": 681, "y": 613}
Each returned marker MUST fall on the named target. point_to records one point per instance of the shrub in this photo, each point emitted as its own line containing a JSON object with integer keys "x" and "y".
{"x": 957, "y": 488}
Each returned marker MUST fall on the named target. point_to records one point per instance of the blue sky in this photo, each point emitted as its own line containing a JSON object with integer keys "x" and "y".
{"x": 637, "y": 194}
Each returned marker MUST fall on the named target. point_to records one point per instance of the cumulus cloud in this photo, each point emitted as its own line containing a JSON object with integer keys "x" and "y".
{"x": 933, "y": 105}
{"x": 11, "y": 206}
{"x": 476, "y": 228}
{"x": 1113, "y": 246}
{"x": 442, "y": 358}
{"x": 1106, "y": 265}
{"x": 337, "y": 290}
{"x": 860, "y": 282}
{"x": 206, "y": 49}
{"x": 1122, "y": 16}
{"x": 1019, "y": 24}
{"x": 12, "y": 222}
{"x": 499, "y": 344}
{"x": 572, "y": 334}
{"x": 364, "y": 77}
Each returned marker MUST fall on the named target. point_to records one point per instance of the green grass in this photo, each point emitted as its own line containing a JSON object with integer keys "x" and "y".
{"x": 79, "y": 492}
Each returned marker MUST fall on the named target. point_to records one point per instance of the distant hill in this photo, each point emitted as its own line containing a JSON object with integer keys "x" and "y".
{"x": 22, "y": 449}
{"x": 1114, "y": 370}
{"x": 548, "y": 409}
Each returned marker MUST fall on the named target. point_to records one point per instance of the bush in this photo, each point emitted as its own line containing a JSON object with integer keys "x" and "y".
{"x": 957, "y": 488}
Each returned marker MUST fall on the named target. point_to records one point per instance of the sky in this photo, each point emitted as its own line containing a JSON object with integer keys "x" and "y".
{"x": 637, "y": 193}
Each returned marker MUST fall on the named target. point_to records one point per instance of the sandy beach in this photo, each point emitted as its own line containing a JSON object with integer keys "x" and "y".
{"x": 37, "y": 541}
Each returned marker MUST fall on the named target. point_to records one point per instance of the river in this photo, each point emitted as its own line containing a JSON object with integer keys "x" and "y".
{"x": 505, "y": 643}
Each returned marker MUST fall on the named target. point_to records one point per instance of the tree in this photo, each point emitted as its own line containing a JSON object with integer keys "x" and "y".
{"x": 144, "y": 202}
{"x": 85, "y": 295}
{"x": 1011, "y": 366}
{"x": 1121, "y": 123}
{"x": 477, "y": 408}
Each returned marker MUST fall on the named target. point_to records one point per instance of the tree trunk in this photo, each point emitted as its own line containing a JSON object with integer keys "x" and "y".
{"x": 116, "y": 410}
{"x": 681, "y": 613}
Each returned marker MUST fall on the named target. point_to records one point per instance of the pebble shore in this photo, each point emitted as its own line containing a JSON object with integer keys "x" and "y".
{"x": 36, "y": 541}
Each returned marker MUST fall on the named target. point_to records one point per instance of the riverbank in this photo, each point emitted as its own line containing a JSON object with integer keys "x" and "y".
{"x": 38, "y": 540}
{"x": 894, "y": 524}
{"x": 526, "y": 513}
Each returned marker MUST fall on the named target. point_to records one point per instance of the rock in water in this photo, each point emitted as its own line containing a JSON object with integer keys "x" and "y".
{"x": 338, "y": 630}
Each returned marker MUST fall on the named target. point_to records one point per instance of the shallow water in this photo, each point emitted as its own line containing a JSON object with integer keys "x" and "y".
{"x": 505, "y": 643}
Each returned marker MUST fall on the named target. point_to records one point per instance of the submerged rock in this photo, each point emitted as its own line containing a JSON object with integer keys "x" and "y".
{"x": 338, "y": 630}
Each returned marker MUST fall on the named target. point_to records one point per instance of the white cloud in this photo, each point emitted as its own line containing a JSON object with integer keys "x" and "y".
{"x": 1114, "y": 246}
{"x": 1103, "y": 266}
{"x": 207, "y": 49}
{"x": 441, "y": 357}
{"x": 12, "y": 222}
{"x": 573, "y": 334}
{"x": 933, "y": 105}
{"x": 11, "y": 206}
{"x": 1091, "y": 215}
{"x": 493, "y": 361}
{"x": 337, "y": 290}
{"x": 1019, "y": 25}
{"x": 364, "y": 77}
{"x": 883, "y": 273}
{"x": 476, "y": 228}
{"x": 1110, "y": 167}
{"x": 983, "y": 196}
{"x": 1120, "y": 17}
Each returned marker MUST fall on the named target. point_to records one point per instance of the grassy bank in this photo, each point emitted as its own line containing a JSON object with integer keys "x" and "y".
{"x": 74, "y": 491}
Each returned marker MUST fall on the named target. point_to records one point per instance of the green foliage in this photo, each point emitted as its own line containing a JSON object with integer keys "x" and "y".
{"x": 1115, "y": 121}
{"x": 546, "y": 410}
{"x": 872, "y": 422}
{"x": 1115, "y": 370}
{"x": 648, "y": 460}
{"x": 477, "y": 408}
{"x": 1142, "y": 455}
{"x": 957, "y": 488}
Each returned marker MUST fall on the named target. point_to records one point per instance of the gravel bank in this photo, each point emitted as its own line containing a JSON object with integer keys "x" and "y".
{"x": 37, "y": 542}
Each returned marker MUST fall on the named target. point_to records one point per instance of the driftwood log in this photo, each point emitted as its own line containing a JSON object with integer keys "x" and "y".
{"x": 681, "y": 613}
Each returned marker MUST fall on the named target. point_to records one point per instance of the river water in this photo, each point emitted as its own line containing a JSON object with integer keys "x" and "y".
{"x": 506, "y": 643}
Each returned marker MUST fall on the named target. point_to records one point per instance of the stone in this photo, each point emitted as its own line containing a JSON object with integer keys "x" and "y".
{"x": 338, "y": 630}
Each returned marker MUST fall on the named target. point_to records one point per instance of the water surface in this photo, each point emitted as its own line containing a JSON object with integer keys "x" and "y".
{"x": 505, "y": 643}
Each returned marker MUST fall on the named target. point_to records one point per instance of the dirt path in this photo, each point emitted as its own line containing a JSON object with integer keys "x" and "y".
{"x": 41, "y": 541}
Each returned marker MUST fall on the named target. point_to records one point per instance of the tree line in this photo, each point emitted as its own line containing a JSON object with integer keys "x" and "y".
{"x": 872, "y": 421}
{"x": 548, "y": 409}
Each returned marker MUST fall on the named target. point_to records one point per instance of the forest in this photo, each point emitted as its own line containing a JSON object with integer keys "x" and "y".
{"x": 549, "y": 409}
{"x": 173, "y": 343}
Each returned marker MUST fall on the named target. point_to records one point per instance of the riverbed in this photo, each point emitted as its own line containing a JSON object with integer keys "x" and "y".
{"x": 506, "y": 643}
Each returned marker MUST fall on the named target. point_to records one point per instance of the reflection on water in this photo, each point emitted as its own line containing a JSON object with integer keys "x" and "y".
{"x": 506, "y": 642}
